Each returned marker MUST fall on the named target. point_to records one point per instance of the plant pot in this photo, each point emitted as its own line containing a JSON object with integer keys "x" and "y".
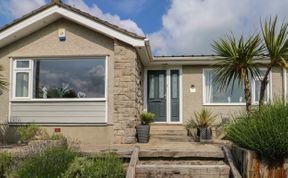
{"x": 143, "y": 133}
{"x": 205, "y": 133}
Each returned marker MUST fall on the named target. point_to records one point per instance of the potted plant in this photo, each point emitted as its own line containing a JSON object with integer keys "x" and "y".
{"x": 143, "y": 130}
{"x": 202, "y": 121}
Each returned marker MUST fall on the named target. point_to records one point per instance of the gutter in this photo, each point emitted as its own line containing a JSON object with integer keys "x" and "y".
{"x": 191, "y": 60}
{"x": 148, "y": 47}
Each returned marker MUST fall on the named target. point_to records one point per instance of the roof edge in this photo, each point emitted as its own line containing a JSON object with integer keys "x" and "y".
{"x": 68, "y": 7}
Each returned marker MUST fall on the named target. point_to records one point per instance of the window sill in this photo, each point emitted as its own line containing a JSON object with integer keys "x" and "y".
{"x": 227, "y": 104}
{"x": 59, "y": 100}
{"x": 104, "y": 124}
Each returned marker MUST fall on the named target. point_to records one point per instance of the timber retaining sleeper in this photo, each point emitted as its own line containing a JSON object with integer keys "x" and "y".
{"x": 183, "y": 171}
{"x": 174, "y": 163}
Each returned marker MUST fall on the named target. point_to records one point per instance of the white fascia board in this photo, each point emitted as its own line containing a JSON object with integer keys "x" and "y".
{"x": 76, "y": 18}
{"x": 26, "y": 23}
{"x": 100, "y": 27}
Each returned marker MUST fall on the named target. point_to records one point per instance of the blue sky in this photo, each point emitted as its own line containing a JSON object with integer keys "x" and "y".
{"x": 173, "y": 26}
{"x": 147, "y": 14}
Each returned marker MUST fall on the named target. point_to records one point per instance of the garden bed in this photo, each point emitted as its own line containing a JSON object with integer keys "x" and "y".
{"x": 49, "y": 159}
{"x": 250, "y": 165}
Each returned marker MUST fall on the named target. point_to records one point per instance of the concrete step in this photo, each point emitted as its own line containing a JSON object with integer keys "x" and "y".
{"x": 164, "y": 127}
{"x": 181, "y": 161}
{"x": 168, "y": 132}
{"x": 160, "y": 138}
{"x": 182, "y": 171}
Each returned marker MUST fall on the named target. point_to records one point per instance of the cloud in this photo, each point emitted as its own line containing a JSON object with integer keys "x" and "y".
{"x": 15, "y": 8}
{"x": 189, "y": 26}
{"x": 127, "y": 24}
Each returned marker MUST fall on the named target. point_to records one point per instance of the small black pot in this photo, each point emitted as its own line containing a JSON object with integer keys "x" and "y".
{"x": 205, "y": 133}
{"x": 143, "y": 133}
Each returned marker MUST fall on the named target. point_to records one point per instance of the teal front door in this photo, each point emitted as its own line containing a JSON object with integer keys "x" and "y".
{"x": 157, "y": 94}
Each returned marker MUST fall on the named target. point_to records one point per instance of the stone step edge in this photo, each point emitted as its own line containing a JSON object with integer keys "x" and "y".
{"x": 179, "y": 153}
{"x": 181, "y": 166}
{"x": 178, "y": 169}
{"x": 169, "y": 135}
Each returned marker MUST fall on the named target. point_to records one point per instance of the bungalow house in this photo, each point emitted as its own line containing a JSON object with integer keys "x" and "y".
{"x": 72, "y": 72}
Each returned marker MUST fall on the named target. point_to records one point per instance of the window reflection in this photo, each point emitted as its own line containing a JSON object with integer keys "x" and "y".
{"x": 151, "y": 86}
{"x": 22, "y": 83}
{"x": 71, "y": 78}
{"x": 174, "y": 83}
{"x": 161, "y": 86}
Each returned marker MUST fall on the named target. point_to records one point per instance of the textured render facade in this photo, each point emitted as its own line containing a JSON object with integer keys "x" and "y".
{"x": 193, "y": 102}
{"x": 128, "y": 60}
{"x": 124, "y": 95}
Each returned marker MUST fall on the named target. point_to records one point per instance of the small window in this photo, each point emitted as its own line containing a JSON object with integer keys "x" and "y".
{"x": 22, "y": 64}
{"x": 22, "y": 84}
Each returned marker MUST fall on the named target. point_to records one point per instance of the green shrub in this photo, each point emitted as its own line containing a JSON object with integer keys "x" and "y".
{"x": 31, "y": 132}
{"x": 28, "y": 132}
{"x": 265, "y": 131}
{"x": 50, "y": 163}
{"x": 57, "y": 136}
{"x": 104, "y": 165}
{"x": 147, "y": 118}
{"x": 5, "y": 163}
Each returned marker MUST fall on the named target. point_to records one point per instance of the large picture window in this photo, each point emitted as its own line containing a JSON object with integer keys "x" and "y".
{"x": 235, "y": 95}
{"x": 61, "y": 79}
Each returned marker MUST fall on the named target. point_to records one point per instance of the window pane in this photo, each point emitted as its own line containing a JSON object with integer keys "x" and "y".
{"x": 161, "y": 86}
{"x": 73, "y": 78}
{"x": 174, "y": 83}
{"x": 151, "y": 86}
{"x": 22, "y": 64}
{"x": 215, "y": 95}
{"x": 257, "y": 91}
{"x": 22, "y": 83}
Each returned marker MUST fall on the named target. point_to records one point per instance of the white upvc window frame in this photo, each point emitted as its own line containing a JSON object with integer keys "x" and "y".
{"x": 30, "y": 72}
{"x": 253, "y": 90}
{"x": 30, "y": 78}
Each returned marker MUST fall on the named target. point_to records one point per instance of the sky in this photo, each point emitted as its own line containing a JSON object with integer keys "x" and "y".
{"x": 174, "y": 27}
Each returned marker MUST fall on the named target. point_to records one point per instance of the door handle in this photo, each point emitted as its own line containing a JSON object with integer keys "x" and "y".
{"x": 156, "y": 100}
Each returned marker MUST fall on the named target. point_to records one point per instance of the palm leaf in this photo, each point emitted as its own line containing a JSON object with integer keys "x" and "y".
{"x": 276, "y": 46}
{"x": 238, "y": 62}
{"x": 236, "y": 56}
{"x": 276, "y": 41}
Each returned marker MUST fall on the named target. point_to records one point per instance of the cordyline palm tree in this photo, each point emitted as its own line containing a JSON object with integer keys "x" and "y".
{"x": 3, "y": 83}
{"x": 237, "y": 63}
{"x": 276, "y": 47}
